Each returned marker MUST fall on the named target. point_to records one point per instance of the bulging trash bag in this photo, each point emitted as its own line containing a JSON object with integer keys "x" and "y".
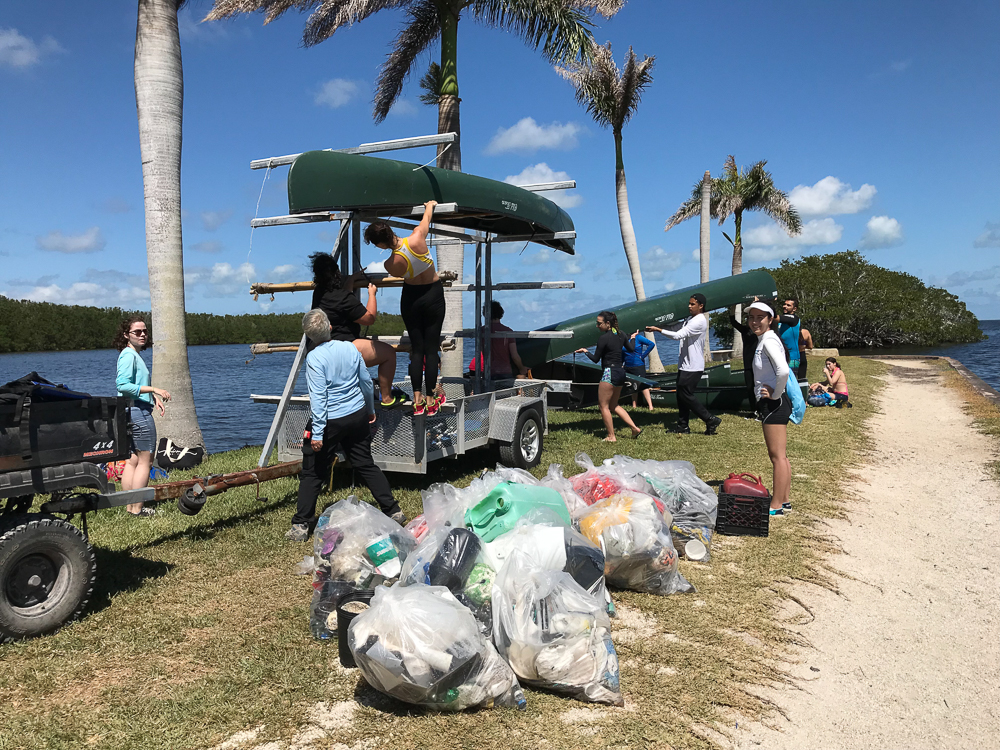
{"x": 420, "y": 645}
{"x": 453, "y": 558}
{"x": 418, "y": 527}
{"x": 599, "y": 482}
{"x": 355, "y": 547}
{"x": 499, "y": 511}
{"x": 554, "y": 634}
{"x": 639, "y": 554}
{"x": 555, "y": 480}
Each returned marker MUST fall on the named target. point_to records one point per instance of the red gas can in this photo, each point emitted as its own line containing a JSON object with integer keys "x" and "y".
{"x": 745, "y": 485}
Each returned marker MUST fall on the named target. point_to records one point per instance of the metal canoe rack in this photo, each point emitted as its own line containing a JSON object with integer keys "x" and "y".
{"x": 405, "y": 442}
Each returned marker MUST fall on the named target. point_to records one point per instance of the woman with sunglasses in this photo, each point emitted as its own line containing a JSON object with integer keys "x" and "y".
{"x": 609, "y": 350}
{"x": 132, "y": 382}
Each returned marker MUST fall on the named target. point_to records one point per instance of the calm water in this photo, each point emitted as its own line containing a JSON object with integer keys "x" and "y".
{"x": 225, "y": 376}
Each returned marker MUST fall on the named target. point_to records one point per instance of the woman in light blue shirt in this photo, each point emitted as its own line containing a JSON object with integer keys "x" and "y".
{"x": 132, "y": 382}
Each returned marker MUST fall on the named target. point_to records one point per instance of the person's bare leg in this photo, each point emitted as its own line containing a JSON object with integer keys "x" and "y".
{"x": 649, "y": 399}
{"x": 614, "y": 406}
{"x": 381, "y": 354}
{"x": 127, "y": 473}
{"x": 605, "y": 391}
{"x": 776, "y": 437}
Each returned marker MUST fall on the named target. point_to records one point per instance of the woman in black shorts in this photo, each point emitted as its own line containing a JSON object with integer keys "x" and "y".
{"x": 609, "y": 354}
{"x": 770, "y": 375}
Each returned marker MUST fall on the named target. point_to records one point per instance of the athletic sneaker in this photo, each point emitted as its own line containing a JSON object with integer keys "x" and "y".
{"x": 418, "y": 410}
{"x": 777, "y": 512}
{"x": 432, "y": 408}
{"x": 787, "y": 507}
{"x": 144, "y": 513}
{"x": 712, "y": 427}
{"x": 400, "y": 518}
{"x": 680, "y": 429}
{"x": 393, "y": 402}
{"x": 439, "y": 396}
{"x": 298, "y": 533}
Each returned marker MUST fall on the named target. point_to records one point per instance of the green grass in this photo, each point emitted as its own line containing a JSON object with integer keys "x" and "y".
{"x": 199, "y": 628}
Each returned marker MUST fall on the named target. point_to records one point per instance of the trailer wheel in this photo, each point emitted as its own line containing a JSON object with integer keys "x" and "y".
{"x": 47, "y": 573}
{"x": 525, "y": 451}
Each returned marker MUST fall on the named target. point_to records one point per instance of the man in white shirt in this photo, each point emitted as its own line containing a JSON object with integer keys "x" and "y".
{"x": 691, "y": 366}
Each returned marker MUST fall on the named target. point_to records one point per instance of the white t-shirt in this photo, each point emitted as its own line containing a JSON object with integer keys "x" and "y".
{"x": 692, "y": 337}
{"x": 769, "y": 365}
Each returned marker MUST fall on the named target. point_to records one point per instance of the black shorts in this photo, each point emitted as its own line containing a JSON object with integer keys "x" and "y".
{"x": 775, "y": 410}
{"x": 639, "y": 370}
{"x": 614, "y": 375}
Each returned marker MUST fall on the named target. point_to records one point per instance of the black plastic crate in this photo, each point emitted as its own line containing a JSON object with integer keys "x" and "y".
{"x": 743, "y": 516}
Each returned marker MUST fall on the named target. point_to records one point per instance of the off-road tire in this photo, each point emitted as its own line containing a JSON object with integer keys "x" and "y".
{"x": 47, "y": 574}
{"x": 525, "y": 451}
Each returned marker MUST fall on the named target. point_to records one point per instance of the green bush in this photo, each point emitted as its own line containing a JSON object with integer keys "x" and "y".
{"x": 847, "y": 302}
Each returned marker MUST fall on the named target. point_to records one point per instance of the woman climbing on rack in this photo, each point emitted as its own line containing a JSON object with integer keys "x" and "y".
{"x": 421, "y": 304}
{"x": 609, "y": 350}
{"x": 347, "y": 315}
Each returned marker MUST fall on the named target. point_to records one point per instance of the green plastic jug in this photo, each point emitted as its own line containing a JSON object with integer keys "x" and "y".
{"x": 499, "y": 511}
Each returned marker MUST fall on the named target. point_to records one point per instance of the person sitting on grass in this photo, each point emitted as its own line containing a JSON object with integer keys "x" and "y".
{"x": 342, "y": 410}
{"x": 835, "y": 384}
{"x": 635, "y": 364}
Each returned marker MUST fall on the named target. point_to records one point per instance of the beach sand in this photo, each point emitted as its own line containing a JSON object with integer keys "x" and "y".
{"x": 908, "y": 655}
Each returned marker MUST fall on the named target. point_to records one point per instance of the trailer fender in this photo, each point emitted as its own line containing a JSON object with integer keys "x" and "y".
{"x": 506, "y": 412}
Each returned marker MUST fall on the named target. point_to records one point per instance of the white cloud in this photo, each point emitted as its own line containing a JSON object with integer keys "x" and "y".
{"x": 696, "y": 255}
{"x": 337, "y": 92}
{"x": 656, "y": 263}
{"x": 881, "y": 232}
{"x": 209, "y": 246}
{"x": 116, "y": 206}
{"x": 403, "y": 108}
{"x": 830, "y": 196}
{"x": 770, "y": 242}
{"x": 898, "y": 66}
{"x": 990, "y": 236}
{"x": 670, "y": 286}
{"x": 537, "y": 258}
{"x": 542, "y": 172}
{"x": 90, "y": 293}
{"x": 212, "y": 220}
{"x": 91, "y": 241}
{"x": 227, "y": 280}
{"x": 528, "y": 136}
{"x": 18, "y": 51}
{"x": 287, "y": 272}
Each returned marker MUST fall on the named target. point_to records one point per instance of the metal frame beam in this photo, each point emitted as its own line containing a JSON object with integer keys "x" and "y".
{"x": 365, "y": 148}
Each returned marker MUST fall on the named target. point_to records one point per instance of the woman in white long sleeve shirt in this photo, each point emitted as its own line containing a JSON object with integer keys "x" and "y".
{"x": 770, "y": 374}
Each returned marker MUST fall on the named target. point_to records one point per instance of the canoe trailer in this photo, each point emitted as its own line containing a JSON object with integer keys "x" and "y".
{"x": 479, "y": 411}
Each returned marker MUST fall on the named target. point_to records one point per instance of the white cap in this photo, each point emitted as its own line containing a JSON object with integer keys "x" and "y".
{"x": 762, "y": 307}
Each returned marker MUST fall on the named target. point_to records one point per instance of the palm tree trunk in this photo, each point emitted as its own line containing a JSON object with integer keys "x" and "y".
{"x": 628, "y": 238}
{"x": 450, "y": 257}
{"x": 737, "y": 269}
{"x": 705, "y": 238}
{"x": 159, "y": 99}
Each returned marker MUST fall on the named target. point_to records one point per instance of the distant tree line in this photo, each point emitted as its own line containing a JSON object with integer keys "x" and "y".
{"x": 847, "y": 302}
{"x": 44, "y": 326}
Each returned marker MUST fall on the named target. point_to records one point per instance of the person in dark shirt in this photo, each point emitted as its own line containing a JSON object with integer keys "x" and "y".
{"x": 635, "y": 364}
{"x": 609, "y": 353}
{"x": 749, "y": 347}
{"x": 347, "y": 315}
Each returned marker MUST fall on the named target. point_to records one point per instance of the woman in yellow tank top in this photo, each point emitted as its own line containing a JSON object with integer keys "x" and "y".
{"x": 421, "y": 304}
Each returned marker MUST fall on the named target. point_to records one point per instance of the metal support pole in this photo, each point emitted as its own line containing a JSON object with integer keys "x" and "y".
{"x": 477, "y": 362}
{"x": 339, "y": 251}
{"x": 488, "y": 305}
{"x": 286, "y": 395}
{"x": 356, "y": 243}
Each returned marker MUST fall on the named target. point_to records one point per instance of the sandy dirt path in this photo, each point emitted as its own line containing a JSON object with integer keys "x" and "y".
{"x": 908, "y": 656}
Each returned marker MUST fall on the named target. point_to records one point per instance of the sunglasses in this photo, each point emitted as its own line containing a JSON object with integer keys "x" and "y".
{"x": 139, "y": 332}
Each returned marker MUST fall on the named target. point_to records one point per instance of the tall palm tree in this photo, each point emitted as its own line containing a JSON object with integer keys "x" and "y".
{"x": 734, "y": 192}
{"x": 562, "y": 28}
{"x": 611, "y": 96}
{"x": 159, "y": 101}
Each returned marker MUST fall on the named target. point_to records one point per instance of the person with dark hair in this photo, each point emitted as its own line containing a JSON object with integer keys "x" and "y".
{"x": 789, "y": 328}
{"x": 347, "y": 315}
{"x": 770, "y": 371}
{"x": 749, "y": 345}
{"x": 342, "y": 410}
{"x": 835, "y": 384}
{"x": 422, "y": 304}
{"x": 608, "y": 352}
{"x": 691, "y": 366}
{"x": 635, "y": 364}
{"x": 805, "y": 346}
{"x": 132, "y": 381}
{"x": 503, "y": 351}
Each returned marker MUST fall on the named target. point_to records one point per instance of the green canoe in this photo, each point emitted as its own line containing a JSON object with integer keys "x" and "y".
{"x": 330, "y": 181}
{"x": 662, "y": 310}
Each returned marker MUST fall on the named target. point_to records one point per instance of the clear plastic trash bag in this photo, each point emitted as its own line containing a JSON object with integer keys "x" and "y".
{"x": 419, "y": 644}
{"x": 355, "y": 547}
{"x": 553, "y": 633}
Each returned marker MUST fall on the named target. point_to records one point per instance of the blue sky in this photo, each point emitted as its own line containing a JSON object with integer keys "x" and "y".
{"x": 881, "y": 120}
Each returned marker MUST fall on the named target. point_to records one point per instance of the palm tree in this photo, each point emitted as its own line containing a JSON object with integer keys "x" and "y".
{"x": 159, "y": 100}
{"x": 734, "y": 192}
{"x": 560, "y": 27}
{"x": 611, "y": 96}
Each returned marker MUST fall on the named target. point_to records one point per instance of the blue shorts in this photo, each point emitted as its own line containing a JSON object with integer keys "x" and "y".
{"x": 143, "y": 438}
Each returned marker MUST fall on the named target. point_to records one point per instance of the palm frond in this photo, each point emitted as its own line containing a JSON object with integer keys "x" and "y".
{"x": 688, "y": 210}
{"x": 335, "y": 14}
{"x": 596, "y": 84}
{"x": 424, "y": 27}
{"x": 634, "y": 79}
{"x": 431, "y": 85}
{"x": 606, "y": 8}
{"x": 270, "y": 8}
{"x": 561, "y": 29}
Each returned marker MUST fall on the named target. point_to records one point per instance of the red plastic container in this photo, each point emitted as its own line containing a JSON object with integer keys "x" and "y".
{"x": 745, "y": 485}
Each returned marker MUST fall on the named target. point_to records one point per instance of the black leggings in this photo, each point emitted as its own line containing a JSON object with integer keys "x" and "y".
{"x": 422, "y": 308}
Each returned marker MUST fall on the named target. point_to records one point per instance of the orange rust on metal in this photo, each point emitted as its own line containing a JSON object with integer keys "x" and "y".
{"x": 223, "y": 482}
